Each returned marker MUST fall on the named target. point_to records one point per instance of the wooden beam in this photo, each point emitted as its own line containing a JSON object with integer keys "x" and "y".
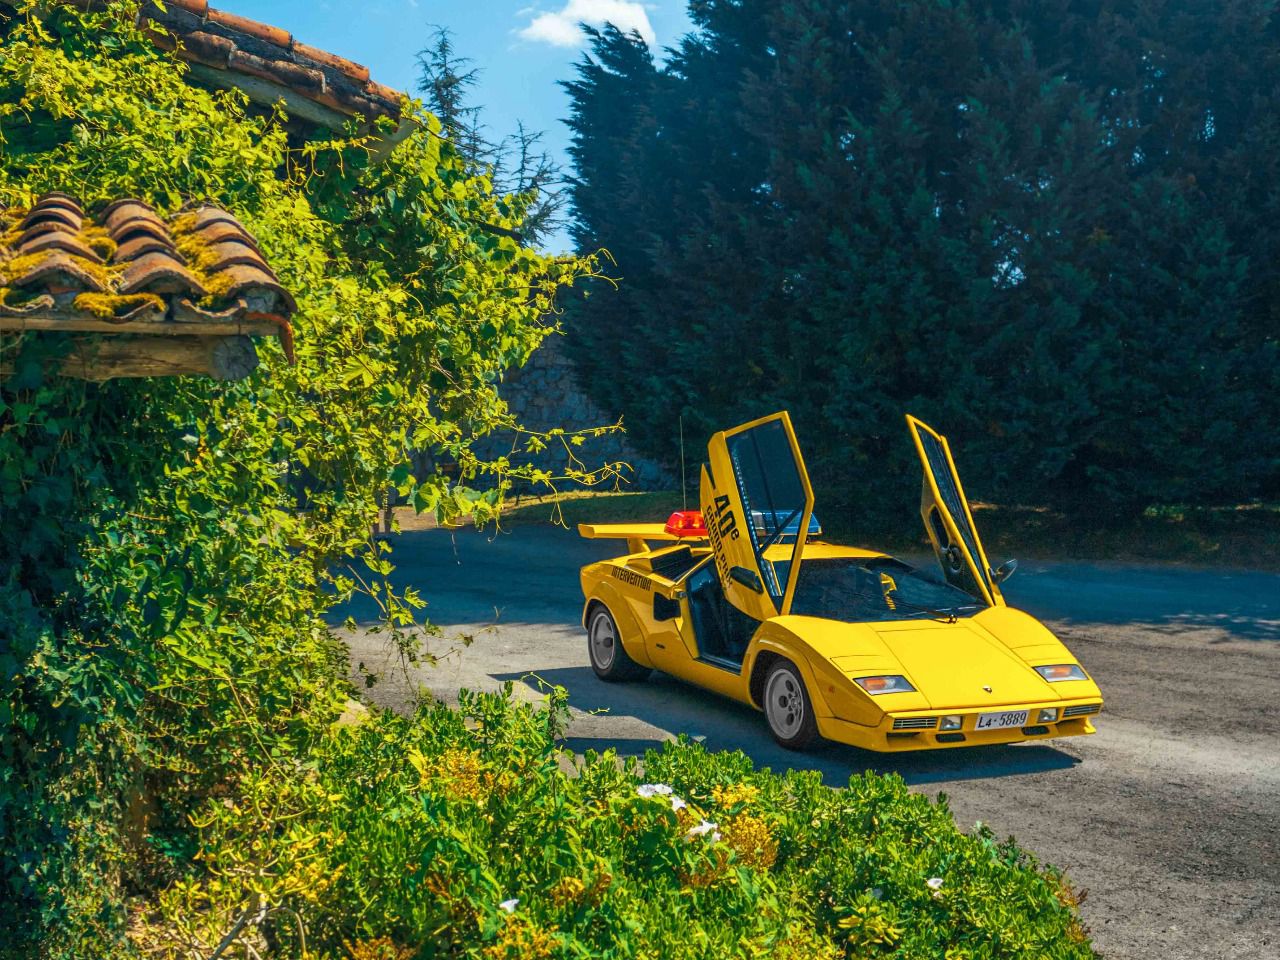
{"x": 171, "y": 328}
{"x": 223, "y": 358}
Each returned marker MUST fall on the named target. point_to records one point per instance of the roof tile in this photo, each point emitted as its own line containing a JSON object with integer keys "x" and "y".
{"x": 231, "y": 252}
{"x": 208, "y": 48}
{"x": 56, "y": 272}
{"x": 157, "y": 272}
{"x": 239, "y": 46}
{"x": 122, "y": 212}
{"x": 263, "y": 31}
{"x": 253, "y": 283}
{"x": 220, "y": 231}
{"x": 140, "y": 242}
{"x": 55, "y": 253}
{"x": 63, "y": 240}
{"x": 305, "y": 80}
{"x": 348, "y": 68}
{"x": 68, "y": 216}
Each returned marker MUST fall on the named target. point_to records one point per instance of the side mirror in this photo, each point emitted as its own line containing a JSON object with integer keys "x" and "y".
{"x": 748, "y": 578}
{"x": 1003, "y": 572}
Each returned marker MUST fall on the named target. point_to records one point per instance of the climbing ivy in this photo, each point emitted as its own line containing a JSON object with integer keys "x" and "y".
{"x": 167, "y": 546}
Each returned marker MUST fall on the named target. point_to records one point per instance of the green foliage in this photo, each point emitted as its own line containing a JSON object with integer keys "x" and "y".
{"x": 1046, "y": 228}
{"x": 160, "y": 590}
{"x": 412, "y": 833}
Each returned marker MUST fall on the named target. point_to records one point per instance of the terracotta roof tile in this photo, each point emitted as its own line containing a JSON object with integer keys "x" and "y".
{"x": 55, "y": 272}
{"x": 243, "y": 47}
{"x": 160, "y": 272}
{"x": 232, "y": 252}
{"x": 380, "y": 91}
{"x": 143, "y": 242}
{"x": 207, "y": 48}
{"x": 63, "y": 240}
{"x": 56, "y": 212}
{"x": 263, "y": 61}
{"x": 256, "y": 284}
{"x": 124, "y": 214}
{"x": 307, "y": 81}
{"x": 349, "y": 68}
{"x": 41, "y": 227}
{"x": 263, "y": 31}
{"x": 54, "y": 252}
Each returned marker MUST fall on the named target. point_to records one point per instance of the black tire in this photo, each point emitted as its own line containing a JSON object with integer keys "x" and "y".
{"x": 788, "y": 708}
{"x": 609, "y": 659}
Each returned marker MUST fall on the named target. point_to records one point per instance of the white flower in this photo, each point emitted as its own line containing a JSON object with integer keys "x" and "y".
{"x": 677, "y": 804}
{"x": 935, "y": 884}
{"x": 509, "y": 905}
{"x": 704, "y": 828}
{"x": 653, "y": 790}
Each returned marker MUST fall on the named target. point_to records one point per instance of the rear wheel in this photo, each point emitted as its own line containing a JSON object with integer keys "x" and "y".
{"x": 609, "y": 659}
{"x": 788, "y": 708}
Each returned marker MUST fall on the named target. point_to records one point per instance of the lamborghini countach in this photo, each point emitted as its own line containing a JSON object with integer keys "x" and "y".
{"x": 744, "y": 598}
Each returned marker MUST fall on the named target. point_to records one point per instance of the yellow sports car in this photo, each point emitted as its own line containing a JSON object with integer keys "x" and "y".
{"x": 743, "y": 598}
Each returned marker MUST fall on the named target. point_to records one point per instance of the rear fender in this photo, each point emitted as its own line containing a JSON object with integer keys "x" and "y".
{"x": 632, "y": 635}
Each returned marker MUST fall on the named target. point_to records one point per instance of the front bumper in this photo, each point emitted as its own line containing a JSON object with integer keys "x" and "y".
{"x": 884, "y": 738}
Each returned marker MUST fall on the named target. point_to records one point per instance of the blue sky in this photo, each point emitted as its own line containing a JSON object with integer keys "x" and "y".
{"x": 522, "y": 47}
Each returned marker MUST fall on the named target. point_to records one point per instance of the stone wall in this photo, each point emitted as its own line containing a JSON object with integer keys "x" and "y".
{"x": 544, "y": 394}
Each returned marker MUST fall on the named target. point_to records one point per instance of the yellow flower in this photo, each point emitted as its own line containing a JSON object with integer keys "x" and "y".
{"x": 568, "y": 891}
{"x": 522, "y": 940}
{"x": 734, "y": 794}
{"x": 751, "y": 840}
{"x": 458, "y": 773}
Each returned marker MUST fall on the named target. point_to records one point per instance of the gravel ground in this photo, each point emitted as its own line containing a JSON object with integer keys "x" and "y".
{"x": 1169, "y": 817}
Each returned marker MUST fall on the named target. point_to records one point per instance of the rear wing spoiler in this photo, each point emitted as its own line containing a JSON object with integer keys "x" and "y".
{"x": 634, "y": 533}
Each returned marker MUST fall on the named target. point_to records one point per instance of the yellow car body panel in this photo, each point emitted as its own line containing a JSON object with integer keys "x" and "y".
{"x": 971, "y": 660}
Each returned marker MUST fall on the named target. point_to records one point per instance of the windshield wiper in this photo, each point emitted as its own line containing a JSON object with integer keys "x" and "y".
{"x": 945, "y": 616}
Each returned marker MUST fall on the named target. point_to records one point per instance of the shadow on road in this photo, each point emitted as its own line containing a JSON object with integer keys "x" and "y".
{"x": 667, "y": 704}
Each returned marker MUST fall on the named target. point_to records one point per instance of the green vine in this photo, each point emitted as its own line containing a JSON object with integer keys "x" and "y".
{"x": 167, "y": 546}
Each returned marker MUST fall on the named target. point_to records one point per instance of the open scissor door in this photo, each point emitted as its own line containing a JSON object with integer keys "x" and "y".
{"x": 947, "y": 519}
{"x": 756, "y": 500}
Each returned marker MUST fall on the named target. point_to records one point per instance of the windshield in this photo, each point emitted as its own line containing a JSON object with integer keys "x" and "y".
{"x": 861, "y": 589}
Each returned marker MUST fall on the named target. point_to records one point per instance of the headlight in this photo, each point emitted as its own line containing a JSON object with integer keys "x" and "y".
{"x": 1047, "y": 715}
{"x": 1062, "y": 671}
{"x": 878, "y": 685}
{"x": 951, "y": 723}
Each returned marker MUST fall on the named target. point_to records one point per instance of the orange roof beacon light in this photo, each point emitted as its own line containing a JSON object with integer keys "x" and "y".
{"x": 686, "y": 523}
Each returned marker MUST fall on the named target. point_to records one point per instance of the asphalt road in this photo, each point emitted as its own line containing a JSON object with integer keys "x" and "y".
{"x": 1169, "y": 816}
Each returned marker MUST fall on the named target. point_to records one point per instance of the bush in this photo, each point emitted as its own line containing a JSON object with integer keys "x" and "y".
{"x": 160, "y": 593}
{"x": 468, "y": 833}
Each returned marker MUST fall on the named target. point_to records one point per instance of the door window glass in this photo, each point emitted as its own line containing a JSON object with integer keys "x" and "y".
{"x": 772, "y": 492}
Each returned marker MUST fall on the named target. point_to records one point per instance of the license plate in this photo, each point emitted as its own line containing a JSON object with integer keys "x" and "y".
{"x": 1000, "y": 721}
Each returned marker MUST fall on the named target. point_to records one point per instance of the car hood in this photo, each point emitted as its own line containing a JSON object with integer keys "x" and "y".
{"x": 955, "y": 665}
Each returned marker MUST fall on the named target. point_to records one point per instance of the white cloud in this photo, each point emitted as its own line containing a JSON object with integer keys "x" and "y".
{"x": 561, "y": 28}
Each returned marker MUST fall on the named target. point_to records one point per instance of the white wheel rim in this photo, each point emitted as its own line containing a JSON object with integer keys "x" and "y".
{"x": 603, "y": 640}
{"x": 784, "y": 703}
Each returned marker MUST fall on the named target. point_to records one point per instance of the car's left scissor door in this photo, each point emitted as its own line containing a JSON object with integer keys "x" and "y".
{"x": 756, "y": 499}
{"x": 947, "y": 519}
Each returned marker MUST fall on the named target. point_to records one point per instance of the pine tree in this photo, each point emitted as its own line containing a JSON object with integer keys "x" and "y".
{"x": 1047, "y": 227}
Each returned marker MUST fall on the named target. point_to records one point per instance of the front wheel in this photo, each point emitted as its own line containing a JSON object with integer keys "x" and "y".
{"x": 609, "y": 660}
{"x": 787, "y": 707}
